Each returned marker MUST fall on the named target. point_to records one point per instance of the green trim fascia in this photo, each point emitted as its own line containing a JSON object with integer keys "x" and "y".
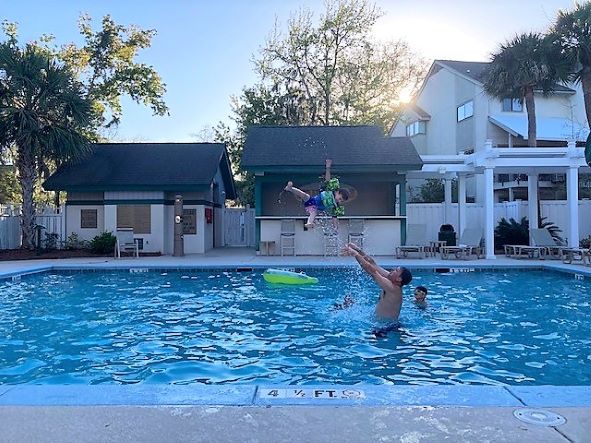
{"x": 338, "y": 169}
{"x": 343, "y": 177}
{"x": 140, "y": 202}
{"x": 152, "y": 187}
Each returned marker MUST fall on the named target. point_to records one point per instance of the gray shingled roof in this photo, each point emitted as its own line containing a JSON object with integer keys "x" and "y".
{"x": 348, "y": 146}
{"x": 476, "y": 71}
{"x": 423, "y": 115}
{"x": 146, "y": 166}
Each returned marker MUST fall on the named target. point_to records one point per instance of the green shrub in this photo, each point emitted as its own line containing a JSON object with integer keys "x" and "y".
{"x": 517, "y": 233}
{"x": 103, "y": 243}
{"x": 51, "y": 239}
{"x": 585, "y": 242}
{"x": 512, "y": 232}
{"x": 74, "y": 242}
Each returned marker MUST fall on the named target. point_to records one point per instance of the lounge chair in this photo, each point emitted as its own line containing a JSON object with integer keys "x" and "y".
{"x": 525, "y": 251}
{"x": 415, "y": 241}
{"x": 581, "y": 255}
{"x": 125, "y": 242}
{"x": 469, "y": 244}
{"x": 543, "y": 238}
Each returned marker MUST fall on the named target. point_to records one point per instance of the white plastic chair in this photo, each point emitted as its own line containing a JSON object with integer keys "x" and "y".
{"x": 287, "y": 236}
{"x": 125, "y": 242}
{"x": 356, "y": 228}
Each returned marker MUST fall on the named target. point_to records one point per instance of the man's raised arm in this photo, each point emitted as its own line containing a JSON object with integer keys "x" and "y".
{"x": 358, "y": 252}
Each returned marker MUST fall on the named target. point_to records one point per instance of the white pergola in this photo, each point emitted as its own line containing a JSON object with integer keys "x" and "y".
{"x": 490, "y": 161}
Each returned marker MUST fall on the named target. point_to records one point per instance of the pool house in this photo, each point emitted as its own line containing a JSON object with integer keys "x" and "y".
{"x": 135, "y": 185}
{"x": 369, "y": 165}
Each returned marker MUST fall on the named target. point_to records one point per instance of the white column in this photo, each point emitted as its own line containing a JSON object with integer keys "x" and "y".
{"x": 511, "y": 196}
{"x": 447, "y": 207}
{"x": 461, "y": 203}
{"x": 572, "y": 197}
{"x": 489, "y": 212}
{"x": 532, "y": 202}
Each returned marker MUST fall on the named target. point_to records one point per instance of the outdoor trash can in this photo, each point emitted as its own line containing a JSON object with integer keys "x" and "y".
{"x": 447, "y": 234}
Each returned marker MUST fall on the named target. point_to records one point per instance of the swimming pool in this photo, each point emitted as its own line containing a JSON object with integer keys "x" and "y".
{"x": 216, "y": 327}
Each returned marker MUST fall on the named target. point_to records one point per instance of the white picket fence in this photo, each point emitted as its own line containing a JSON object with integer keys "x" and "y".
{"x": 10, "y": 227}
{"x": 556, "y": 211}
{"x": 239, "y": 224}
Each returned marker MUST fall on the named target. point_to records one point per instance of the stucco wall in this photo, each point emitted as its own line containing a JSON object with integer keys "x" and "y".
{"x": 160, "y": 238}
{"x": 381, "y": 236}
{"x": 73, "y": 222}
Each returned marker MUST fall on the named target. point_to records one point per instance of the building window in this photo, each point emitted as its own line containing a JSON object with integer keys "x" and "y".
{"x": 189, "y": 221}
{"x": 137, "y": 217}
{"x": 415, "y": 128}
{"x": 88, "y": 218}
{"x": 512, "y": 105}
{"x": 466, "y": 110}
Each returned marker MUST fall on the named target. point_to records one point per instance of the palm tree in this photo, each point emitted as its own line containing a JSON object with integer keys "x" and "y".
{"x": 43, "y": 117}
{"x": 528, "y": 63}
{"x": 572, "y": 31}
{"x": 525, "y": 64}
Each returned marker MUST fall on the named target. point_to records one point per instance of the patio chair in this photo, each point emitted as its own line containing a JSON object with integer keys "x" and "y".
{"x": 125, "y": 242}
{"x": 580, "y": 255}
{"x": 287, "y": 236}
{"x": 356, "y": 228}
{"x": 543, "y": 238}
{"x": 415, "y": 241}
{"x": 469, "y": 244}
{"x": 525, "y": 251}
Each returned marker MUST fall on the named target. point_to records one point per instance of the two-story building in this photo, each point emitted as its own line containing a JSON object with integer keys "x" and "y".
{"x": 452, "y": 115}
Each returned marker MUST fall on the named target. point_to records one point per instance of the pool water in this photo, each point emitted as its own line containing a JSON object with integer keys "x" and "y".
{"x": 216, "y": 327}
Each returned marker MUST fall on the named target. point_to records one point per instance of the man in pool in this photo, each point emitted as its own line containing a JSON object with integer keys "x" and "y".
{"x": 391, "y": 283}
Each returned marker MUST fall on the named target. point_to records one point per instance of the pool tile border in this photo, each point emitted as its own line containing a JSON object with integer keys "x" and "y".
{"x": 420, "y": 267}
{"x": 300, "y": 395}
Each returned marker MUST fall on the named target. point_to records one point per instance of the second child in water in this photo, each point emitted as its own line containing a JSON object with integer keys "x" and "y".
{"x": 329, "y": 199}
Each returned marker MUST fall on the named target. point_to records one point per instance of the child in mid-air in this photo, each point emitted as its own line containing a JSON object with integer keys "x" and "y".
{"x": 329, "y": 200}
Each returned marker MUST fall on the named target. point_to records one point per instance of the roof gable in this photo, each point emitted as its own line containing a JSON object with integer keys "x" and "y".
{"x": 153, "y": 166}
{"x": 353, "y": 147}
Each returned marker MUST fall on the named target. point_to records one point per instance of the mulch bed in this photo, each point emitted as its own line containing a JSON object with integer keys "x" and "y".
{"x": 25, "y": 254}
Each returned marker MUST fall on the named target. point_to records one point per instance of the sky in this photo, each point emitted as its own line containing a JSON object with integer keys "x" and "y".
{"x": 204, "y": 49}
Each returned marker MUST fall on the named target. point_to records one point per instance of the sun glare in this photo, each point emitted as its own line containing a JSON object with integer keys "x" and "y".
{"x": 405, "y": 94}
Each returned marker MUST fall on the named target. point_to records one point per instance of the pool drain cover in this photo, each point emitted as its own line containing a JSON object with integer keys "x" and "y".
{"x": 539, "y": 417}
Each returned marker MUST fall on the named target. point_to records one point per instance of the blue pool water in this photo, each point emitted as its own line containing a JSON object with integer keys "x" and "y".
{"x": 216, "y": 327}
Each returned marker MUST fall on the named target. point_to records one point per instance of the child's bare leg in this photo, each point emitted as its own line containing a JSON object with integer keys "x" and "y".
{"x": 311, "y": 217}
{"x": 297, "y": 192}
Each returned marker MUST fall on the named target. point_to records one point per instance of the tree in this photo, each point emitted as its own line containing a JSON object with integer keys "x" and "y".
{"x": 433, "y": 191}
{"x": 106, "y": 65}
{"x": 333, "y": 70}
{"x": 107, "y": 69}
{"x": 572, "y": 32}
{"x": 329, "y": 73}
{"x": 43, "y": 116}
{"x": 528, "y": 63}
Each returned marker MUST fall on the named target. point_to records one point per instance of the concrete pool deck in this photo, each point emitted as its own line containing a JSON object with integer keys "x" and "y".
{"x": 360, "y": 413}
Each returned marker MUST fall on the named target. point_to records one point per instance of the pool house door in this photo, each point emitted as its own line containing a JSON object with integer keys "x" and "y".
{"x": 239, "y": 227}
